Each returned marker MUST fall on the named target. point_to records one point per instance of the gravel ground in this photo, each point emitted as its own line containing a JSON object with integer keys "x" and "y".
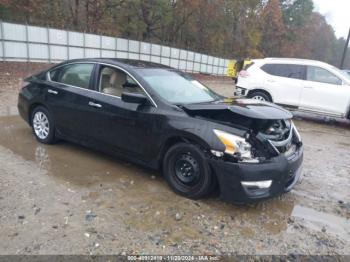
{"x": 66, "y": 199}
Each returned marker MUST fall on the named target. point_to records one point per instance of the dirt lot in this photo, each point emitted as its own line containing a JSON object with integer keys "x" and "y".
{"x": 66, "y": 199}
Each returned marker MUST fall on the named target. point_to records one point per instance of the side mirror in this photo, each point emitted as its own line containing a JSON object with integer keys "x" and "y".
{"x": 134, "y": 98}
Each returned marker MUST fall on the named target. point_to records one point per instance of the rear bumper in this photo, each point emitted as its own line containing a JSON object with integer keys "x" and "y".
{"x": 283, "y": 172}
{"x": 23, "y": 107}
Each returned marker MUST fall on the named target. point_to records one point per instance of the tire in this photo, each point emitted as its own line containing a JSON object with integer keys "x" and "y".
{"x": 42, "y": 125}
{"x": 187, "y": 171}
{"x": 261, "y": 96}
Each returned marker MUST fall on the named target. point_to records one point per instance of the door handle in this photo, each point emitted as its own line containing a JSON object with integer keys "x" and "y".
{"x": 271, "y": 80}
{"x": 310, "y": 87}
{"x": 94, "y": 104}
{"x": 52, "y": 92}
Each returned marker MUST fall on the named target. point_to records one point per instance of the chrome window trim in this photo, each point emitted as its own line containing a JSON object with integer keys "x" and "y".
{"x": 100, "y": 63}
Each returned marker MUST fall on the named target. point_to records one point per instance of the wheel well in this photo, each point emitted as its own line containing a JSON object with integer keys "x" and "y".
{"x": 262, "y": 91}
{"x": 172, "y": 141}
{"x": 31, "y": 109}
{"x": 169, "y": 143}
{"x": 179, "y": 139}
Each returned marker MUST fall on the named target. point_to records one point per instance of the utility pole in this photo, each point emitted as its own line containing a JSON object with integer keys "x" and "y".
{"x": 345, "y": 50}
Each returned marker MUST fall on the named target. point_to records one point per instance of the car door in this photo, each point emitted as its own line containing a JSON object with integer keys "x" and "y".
{"x": 66, "y": 97}
{"x": 284, "y": 82}
{"x": 324, "y": 92}
{"x": 121, "y": 127}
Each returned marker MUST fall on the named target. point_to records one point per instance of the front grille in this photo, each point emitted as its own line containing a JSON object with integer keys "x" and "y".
{"x": 283, "y": 146}
{"x": 282, "y": 137}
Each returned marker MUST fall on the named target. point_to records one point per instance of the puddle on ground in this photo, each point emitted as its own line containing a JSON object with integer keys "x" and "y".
{"x": 317, "y": 220}
{"x": 63, "y": 160}
{"x": 8, "y": 111}
{"x": 139, "y": 197}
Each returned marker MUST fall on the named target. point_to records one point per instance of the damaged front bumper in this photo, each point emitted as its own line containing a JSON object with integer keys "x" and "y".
{"x": 248, "y": 182}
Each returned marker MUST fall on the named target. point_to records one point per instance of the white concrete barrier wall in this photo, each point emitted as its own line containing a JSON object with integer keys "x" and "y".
{"x": 39, "y": 44}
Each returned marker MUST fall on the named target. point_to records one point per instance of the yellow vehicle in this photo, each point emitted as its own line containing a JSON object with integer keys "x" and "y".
{"x": 235, "y": 66}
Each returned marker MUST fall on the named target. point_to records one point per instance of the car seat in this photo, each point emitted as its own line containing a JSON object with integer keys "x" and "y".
{"x": 116, "y": 81}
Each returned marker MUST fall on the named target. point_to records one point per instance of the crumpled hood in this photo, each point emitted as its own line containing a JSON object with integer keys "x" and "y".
{"x": 246, "y": 107}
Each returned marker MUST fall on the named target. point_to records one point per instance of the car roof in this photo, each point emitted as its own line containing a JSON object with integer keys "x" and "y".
{"x": 300, "y": 61}
{"x": 128, "y": 63}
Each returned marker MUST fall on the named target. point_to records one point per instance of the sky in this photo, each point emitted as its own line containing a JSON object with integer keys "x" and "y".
{"x": 337, "y": 13}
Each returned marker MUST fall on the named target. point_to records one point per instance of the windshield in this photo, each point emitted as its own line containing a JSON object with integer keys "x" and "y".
{"x": 346, "y": 74}
{"x": 343, "y": 73}
{"x": 177, "y": 88}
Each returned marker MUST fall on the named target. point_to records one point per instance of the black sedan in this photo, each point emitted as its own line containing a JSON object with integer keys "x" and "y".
{"x": 162, "y": 118}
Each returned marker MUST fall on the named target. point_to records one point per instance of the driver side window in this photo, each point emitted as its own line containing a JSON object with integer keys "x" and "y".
{"x": 319, "y": 74}
{"x": 115, "y": 82}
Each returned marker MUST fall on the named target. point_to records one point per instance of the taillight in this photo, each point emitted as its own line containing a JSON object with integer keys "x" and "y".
{"x": 244, "y": 73}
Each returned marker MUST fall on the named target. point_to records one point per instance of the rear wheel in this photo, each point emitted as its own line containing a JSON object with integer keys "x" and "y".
{"x": 42, "y": 125}
{"x": 261, "y": 96}
{"x": 187, "y": 171}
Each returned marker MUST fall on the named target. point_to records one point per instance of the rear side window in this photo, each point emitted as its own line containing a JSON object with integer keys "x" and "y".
{"x": 319, "y": 74}
{"x": 75, "y": 75}
{"x": 285, "y": 70}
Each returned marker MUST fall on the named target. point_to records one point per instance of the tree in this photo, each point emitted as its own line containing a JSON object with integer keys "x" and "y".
{"x": 296, "y": 12}
{"x": 273, "y": 29}
{"x": 227, "y": 28}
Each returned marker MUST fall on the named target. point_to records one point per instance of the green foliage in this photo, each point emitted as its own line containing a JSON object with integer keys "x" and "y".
{"x": 273, "y": 29}
{"x": 296, "y": 12}
{"x": 3, "y": 11}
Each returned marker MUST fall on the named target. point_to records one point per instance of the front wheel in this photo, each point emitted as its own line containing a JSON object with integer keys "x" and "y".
{"x": 261, "y": 96}
{"x": 187, "y": 171}
{"x": 42, "y": 125}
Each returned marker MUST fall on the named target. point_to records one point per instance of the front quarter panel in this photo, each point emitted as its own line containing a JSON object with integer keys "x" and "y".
{"x": 198, "y": 131}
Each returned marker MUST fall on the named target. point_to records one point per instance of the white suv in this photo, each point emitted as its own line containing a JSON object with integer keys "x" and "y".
{"x": 300, "y": 84}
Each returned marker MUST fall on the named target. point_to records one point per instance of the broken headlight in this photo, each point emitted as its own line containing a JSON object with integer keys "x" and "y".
{"x": 235, "y": 145}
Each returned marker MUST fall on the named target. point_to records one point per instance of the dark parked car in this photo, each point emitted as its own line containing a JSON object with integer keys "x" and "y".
{"x": 164, "y": 119}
